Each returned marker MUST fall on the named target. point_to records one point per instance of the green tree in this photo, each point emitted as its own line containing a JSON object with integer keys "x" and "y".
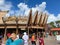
{"x": 58, "y": 23}
{"x": 52, "y": 24}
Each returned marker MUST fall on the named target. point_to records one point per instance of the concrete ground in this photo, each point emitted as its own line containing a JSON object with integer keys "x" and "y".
{"x": 51, "y": 41}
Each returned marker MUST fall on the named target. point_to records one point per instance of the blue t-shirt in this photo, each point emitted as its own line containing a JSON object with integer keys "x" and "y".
{"x": 9, "y": 41}
{"x": 18, "y": 42}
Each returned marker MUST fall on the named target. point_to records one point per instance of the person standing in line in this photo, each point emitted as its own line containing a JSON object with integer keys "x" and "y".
{"x": 1, "y": 36}
{"x": 41, "y": 40}
{"x": 25, "y": 38}
{"x": 9, "y": 40}
{"x": 47, "y": 34}
{"x": 16, "y": 41}
{"x": 33, "y": 39}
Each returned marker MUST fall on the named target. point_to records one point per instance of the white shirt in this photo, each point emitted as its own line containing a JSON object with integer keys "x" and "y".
{"x": 25, "y": 38}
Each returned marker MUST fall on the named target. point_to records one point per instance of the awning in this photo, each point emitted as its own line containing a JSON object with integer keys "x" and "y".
{"x": 55, "y": 29}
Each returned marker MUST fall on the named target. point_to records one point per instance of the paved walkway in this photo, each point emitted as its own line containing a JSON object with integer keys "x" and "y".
{"x": 51, "y": 41}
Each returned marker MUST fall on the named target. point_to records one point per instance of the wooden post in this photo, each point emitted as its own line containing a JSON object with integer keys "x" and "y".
{"x": 28, "y": 31}
{"x": 5, "y": 29}
{"x": 43, "y": 33}
{"x": 16, "y": 25}
{"x": 28, "y": 34}
{"x": 37, "y": 33}
{"x": 5, "y": 34}
{"x": 17, "y": 30}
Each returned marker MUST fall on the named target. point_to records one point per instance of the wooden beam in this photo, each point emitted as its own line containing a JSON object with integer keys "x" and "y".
{"x": 16, "y": 25}
{"x": 11, "y": 18}
{"x": 44, "y": 19}
{"x": 36, "y": 19}
{"x": 37, "y": 27}
{"x": 16, "y": 30}
{"x": 5, "y": 29}
{"x": 1, "y": 27}
{"x": 5, "y": 37}
{"x": 37, "y": 33}
{"x": 28, "y": 31}
{"x": 3, "y": 20}
{"x": 40, "y": 19}
{"x": 30, "y": 18}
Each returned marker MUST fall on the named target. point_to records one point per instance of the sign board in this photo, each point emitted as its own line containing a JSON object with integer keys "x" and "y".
{"x": 58, "y": 37}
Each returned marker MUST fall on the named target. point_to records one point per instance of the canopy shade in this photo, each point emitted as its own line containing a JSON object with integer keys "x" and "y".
{"x": 55, "y": 29}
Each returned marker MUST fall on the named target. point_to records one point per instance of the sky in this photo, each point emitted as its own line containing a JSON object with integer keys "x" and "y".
{"x": 22, "y": 7}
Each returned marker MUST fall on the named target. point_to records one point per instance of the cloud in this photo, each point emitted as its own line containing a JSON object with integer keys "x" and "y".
{"x": 5, "y": 6}
{"x": 58, "y": 17}
{"x": 2, "y": 2}
{"x": 53, "y": 18}
{"x": 23, "y": 6}
{"x": 25, "y": 9}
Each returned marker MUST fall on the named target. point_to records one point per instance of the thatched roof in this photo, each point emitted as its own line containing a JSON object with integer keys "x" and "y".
{"x": 2, "y": 14}
{"x": 37, "y": 19}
